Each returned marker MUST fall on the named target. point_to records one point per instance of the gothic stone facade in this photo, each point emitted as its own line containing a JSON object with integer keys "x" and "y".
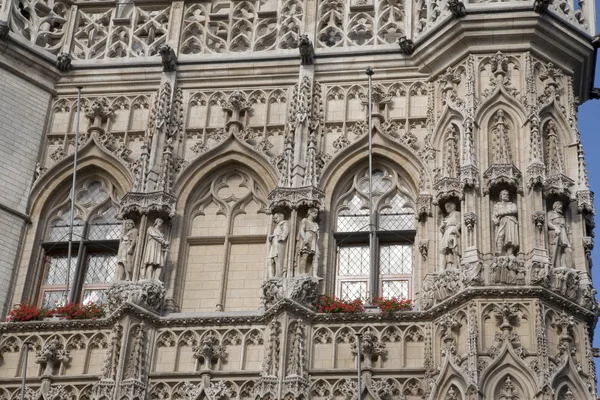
{"x": 223, "y": 184}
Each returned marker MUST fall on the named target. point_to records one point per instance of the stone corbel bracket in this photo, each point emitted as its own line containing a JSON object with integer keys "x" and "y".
{"x": 147, "y": 294}
{"x": 447, "y": 188}
{"x": 161, "y": 203}
{"x": 294, "y": 198}
{"x": 498, "y": 174}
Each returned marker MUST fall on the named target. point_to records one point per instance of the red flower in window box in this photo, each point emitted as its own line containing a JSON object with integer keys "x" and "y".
{"x": 28, "y": 312}
{"x": 392, "y": 305}
{"x": 331, "y": 304}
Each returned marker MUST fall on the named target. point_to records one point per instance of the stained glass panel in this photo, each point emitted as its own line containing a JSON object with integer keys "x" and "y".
{"x": 395, "y": 259}
{"x": 396, "y": 288}
{"x": 353, "y": 261}
{"x": 101, "y": 268}
{"x": 351, "y": 290}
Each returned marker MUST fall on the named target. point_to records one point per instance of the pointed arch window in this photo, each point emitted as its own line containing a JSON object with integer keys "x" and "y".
{"x": 395, "y": 232}
{"x": 96, "y": 232}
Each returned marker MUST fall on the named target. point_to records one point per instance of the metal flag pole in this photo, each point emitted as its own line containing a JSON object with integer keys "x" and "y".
{"x": 70, "y": 249}
{"x": 358, "y": 337}
{"x": 26, "y": 355}
{"x": 372, "y": 257}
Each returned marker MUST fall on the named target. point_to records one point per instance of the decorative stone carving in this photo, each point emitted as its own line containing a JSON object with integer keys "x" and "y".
{"x": 585, "y": 201}
{"x": 98, "y": 111}
{"x": 125, "y": 254}
{"x": 472, "y": 274}
{"x": 147, "y": 294}
{"x": 407, "y": 46}
{"x": 424, "y": 208}
{"x": 540, "y": 6}
{"x": 370, "y": 348}
{"x": 424, "y": 248}
{"x": 209, "y": 351}
{"x": 540, "y": 273}
{"x": 504, "y": 217}
{"x": 271, "y": 360}
{"x": 51, "y": 356}
{"x": 168, "y": 58}
{"x": 154, "y": 251}
{"x": 63, "y": 62}
{"x": 450, "y": 242}
{"x": 509, "y": 391}
{"x": 565, "y": 281}
{"x": 296, "y": 365}
{"x": 308, "y": 244}
{"x": 588, "y": 246}
{"x": 302, "y": 289}
{"x": 136, "y": 368}
{"x": 561, "y": 251}
{"x": 265, "y": 387}
{"x": 507, "y": 270}
{"x": 293, "y": 198}
{"x": 307, "y": 51}
{"x": 457, "y": 8}
{"x": 4, "y": 29}
{"x": 277, "y": 246}
{"x": 556, "y": 182}
{"x": 145, "y": 203}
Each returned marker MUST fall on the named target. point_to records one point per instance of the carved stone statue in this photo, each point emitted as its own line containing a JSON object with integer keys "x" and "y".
{"x": 450, "y": 244}
{"x": 277, "y": 245}
{"x": 308, "y": 246}
{"x": 560, "y": 246}
{"x": 504, "y": 217}
{"x": 154, "y": 251}
{"x": 126, "y": 249}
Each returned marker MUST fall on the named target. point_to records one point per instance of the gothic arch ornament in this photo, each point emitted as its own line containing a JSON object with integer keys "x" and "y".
{"x": 384, "y": 149}
{"x": 508, "y": 364}
{"x": 229, "y": 150}
{"x": 92, "y": 155}
{"x": 568, "y": 375}
{"x": 450, "y": 377}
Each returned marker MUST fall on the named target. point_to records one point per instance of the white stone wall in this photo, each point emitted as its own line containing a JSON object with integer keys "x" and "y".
{"x": 23, "y": 110}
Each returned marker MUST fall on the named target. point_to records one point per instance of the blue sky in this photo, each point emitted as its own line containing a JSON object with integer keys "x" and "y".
{"x": 588, "y": 127}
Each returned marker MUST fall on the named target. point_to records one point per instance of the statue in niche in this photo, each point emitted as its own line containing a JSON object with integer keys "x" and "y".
{"x": 450, "y": 245}
{"x": 504, "y": 216}
{"x": 277, "y": 245}
{"x": 126, "y": 249}
{"x": 156, "y": 245}
{"x": 558, "y": 235}
{"x": 308, "y": 246}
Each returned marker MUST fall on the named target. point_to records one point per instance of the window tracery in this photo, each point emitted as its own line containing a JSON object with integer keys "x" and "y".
{"x": 395, "y": 226}
{"x": 245, "y": 26}
{"x": 227, "y": 221}
{"x": 360, "y": 23}
{"x": 96, "y": 229}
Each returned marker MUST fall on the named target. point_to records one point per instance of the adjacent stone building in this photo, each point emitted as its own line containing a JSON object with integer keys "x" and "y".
{"x": 223, "y": 184}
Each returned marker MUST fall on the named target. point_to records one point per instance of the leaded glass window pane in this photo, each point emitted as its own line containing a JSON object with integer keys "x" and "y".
{"x": 395, "y": 216}
{"x": 395, "y": 259}
{"x": 94, "y": 194}
{"x": 353, "y": 218}
{"x": 59, "y": 230}
{"x": 52, "y": 298}
{"x": 352, "y": 290}
{"x": 57, "y": 270}
{"x": 101, "y": 268}
{"x": 107, "y": 227}
{"x": 96, "y": 296}
{"x": 353, "y": 261}
{"x": 395, "y": 288}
